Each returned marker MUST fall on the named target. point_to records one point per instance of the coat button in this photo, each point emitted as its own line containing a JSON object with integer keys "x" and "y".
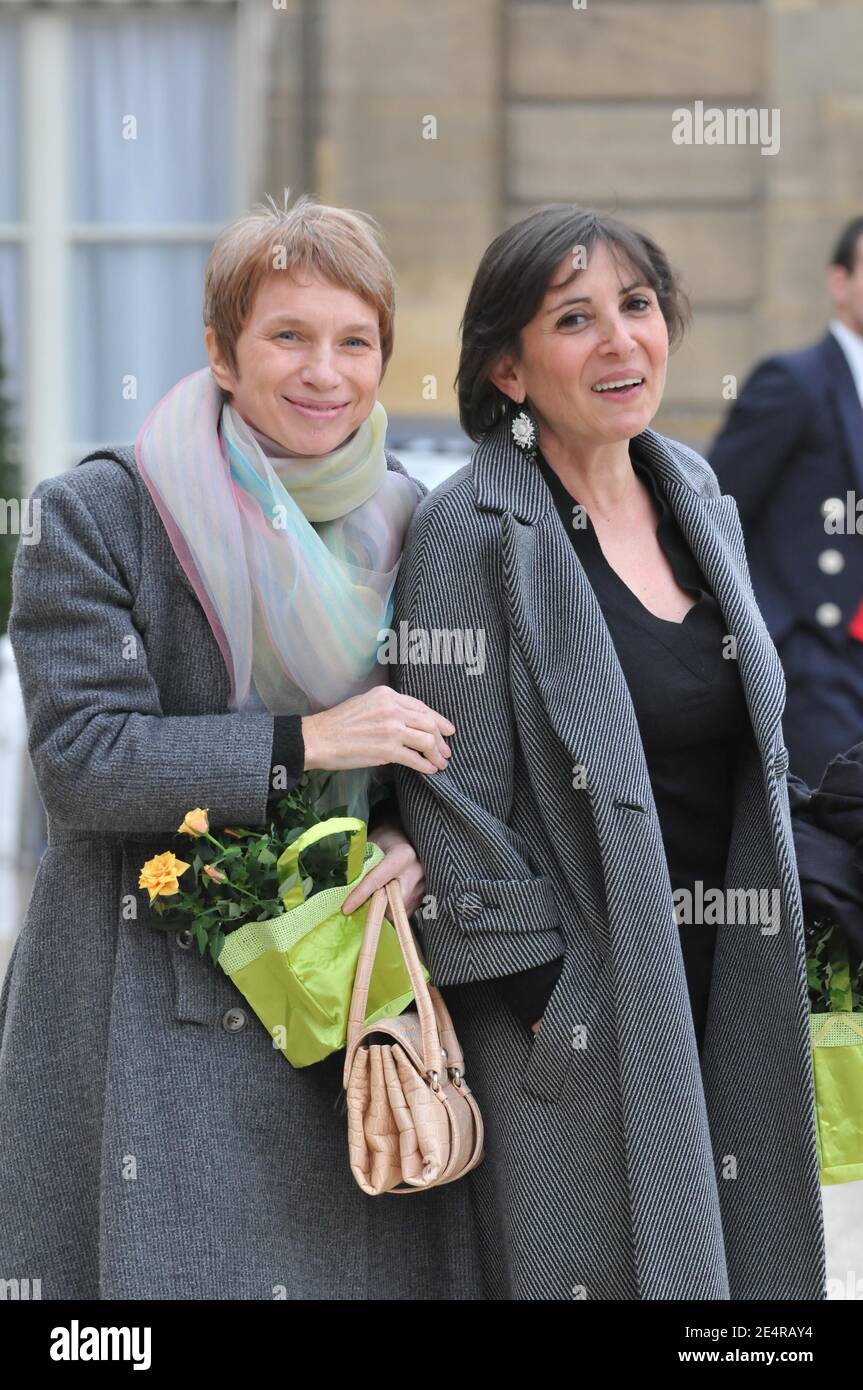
{"x": 833, "y": 507}
{"x": 828, "y": 614}
{"x": 234, "y": 1020}
{"x": 469, "y": 905}
{"x": 831, "y": 561}
{"x": 185, "y": 939}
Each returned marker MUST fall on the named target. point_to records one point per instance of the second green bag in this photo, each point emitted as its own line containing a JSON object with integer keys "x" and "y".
{"x": 837, "y": 1061}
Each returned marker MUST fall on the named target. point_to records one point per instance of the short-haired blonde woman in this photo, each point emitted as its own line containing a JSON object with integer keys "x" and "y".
{"x": 175, "y": 645}
{"x": 611, "y": 871}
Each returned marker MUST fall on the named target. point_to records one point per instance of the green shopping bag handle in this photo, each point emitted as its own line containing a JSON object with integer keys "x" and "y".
{"x": 288, "y": 861}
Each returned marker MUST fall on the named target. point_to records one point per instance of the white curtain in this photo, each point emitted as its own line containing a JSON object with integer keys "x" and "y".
{"x": 136, "y": 307}
{"x": 135, "y": 314}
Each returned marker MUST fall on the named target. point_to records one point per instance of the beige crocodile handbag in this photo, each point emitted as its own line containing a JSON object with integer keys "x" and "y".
{"x": 413, "y": 1122}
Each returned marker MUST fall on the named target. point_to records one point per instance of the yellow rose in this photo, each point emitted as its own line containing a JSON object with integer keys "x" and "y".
{"x": 159, "y": 876}
{"x": 195, "y": 823}
{"x": 215, "y": 874}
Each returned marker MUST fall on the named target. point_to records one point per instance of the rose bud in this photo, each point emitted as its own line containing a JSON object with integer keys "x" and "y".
{"x": 195, "y": 823}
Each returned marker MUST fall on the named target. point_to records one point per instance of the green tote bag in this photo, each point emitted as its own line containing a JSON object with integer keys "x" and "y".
{"x": 296, "y": 971}
{"x": 837, "y": 1060}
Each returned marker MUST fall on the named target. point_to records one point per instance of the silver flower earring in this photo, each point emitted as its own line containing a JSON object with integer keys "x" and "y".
{"x": 524, "y": 434}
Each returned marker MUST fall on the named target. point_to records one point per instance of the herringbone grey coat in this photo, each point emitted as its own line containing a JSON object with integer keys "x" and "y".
{"x": 614, "y": 1170}
{"x": 151, "y": 1147}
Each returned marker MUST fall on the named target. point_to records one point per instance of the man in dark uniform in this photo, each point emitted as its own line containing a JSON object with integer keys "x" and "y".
{"x": 791, "y": 453}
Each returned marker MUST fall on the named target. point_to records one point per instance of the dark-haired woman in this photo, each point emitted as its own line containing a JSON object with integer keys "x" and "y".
{"x": 608, "y": 853}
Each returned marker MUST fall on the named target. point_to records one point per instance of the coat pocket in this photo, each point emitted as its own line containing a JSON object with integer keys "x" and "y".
{"x": 202, "y": 992}
{"x": 563, "y": 1040}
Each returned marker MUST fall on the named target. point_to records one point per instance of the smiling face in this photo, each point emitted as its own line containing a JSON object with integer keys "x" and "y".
{"x": 605, "y": 325}
{"x": 308, "y": 363}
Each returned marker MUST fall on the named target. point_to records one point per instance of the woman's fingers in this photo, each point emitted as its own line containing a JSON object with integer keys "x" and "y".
{"x": 428, "y": 725}
{"x": 381, "y": 726}
{"x": 400, "y": 862}
{"x": 407, "y": 757}
{"x": 424, "y": 743}
{"x": 364, "y": 890}
{"x": 418, "y": 706}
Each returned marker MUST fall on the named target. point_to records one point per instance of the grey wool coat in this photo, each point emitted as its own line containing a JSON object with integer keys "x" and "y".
{"x": 617, "y": 1166}
{"x": 155, "y": 1145}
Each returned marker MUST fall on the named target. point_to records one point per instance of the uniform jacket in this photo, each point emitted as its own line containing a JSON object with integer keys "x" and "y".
{"x": 792, "y": 443}
{"x": 616, "y": 1167}
{"x": 791, "y": 453}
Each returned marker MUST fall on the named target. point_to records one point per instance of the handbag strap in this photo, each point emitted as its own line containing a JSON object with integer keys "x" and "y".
{"x": 448, "y": 1039}
{"x": 435, "y": 1023}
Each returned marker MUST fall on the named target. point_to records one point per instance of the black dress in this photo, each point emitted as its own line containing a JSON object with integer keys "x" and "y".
{"x": 692, "y": 716}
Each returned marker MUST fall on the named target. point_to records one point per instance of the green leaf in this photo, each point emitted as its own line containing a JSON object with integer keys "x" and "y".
{"x": 286, "y": 884}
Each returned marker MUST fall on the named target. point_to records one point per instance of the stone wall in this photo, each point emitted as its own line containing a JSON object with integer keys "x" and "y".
{"x": 449, "y": 119}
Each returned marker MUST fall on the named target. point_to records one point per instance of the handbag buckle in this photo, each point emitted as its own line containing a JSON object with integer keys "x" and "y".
{"x": 435, "y": 1085}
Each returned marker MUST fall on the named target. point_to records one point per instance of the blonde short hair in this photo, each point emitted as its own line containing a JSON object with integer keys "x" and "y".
{"x": 339, "y": 244}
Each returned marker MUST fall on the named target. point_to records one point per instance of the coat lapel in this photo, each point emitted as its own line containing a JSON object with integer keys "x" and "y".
{"x": 846, "y": 402}
{"x": 558, "y": 622}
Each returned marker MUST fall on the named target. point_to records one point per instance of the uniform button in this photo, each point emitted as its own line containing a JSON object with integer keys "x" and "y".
{"x": 831, "y": 561}
{"x": 828, "y": 614}
{"x": 469, "y": 904}
{"x": 234, "y": 1020}
{"x": 833, "y": 507}
{"x": 185, "y": 939}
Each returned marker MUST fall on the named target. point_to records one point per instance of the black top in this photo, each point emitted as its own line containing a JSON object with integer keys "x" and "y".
{"x": 288, "y": 755}
{"x": 692, "y": 715}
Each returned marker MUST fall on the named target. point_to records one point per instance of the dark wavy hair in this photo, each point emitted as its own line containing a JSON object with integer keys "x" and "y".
{"x": 512, "y": 280}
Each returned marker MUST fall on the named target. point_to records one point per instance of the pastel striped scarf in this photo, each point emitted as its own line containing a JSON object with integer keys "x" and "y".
{"x": 293, "y": 560}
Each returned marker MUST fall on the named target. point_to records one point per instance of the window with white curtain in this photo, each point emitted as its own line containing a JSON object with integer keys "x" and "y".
{"x": 151, "y": 164}
{"x": 130, "y": 135}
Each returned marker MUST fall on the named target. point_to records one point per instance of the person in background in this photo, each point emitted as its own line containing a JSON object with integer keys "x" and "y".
{"x": 791, "y": 453}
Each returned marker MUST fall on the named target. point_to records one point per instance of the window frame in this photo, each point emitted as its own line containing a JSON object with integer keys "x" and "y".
{"x": 46, "y": 236}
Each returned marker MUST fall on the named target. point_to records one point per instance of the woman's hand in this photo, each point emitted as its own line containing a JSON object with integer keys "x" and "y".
{"x": 535, "y": 1027}
{"x": 378, "y": 727}
{"x": 399, "y": 861}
